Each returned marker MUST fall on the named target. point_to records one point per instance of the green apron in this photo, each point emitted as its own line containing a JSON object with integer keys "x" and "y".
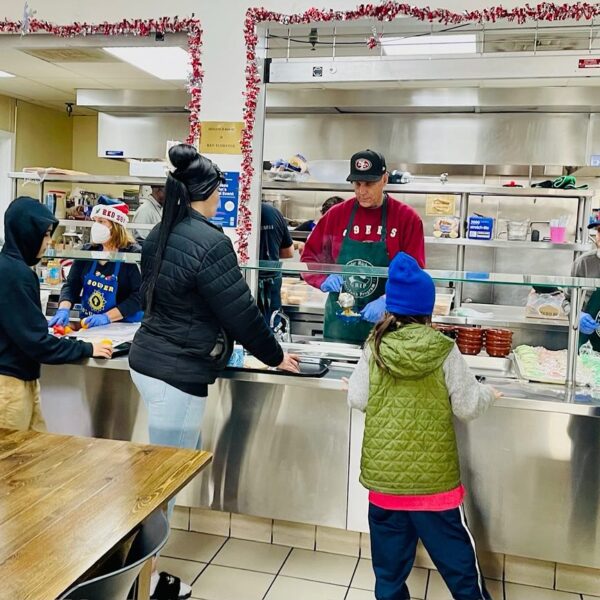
{"x": 364, "y": 288}
{"x": 592, "y": 308}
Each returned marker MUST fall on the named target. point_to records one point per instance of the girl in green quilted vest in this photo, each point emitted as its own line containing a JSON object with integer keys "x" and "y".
{"x": 410, "y": 381}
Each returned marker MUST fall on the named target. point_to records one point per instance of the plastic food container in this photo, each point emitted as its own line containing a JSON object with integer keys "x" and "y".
{"x": 498, "y": 342}
{"x": 443, "y": 302}
{"x": 469, "y": 348}
{"x": 517, "y": 230}
{"x": 446, "y": 227}
{"x": 498, "y": 335}
{"x": 498, "y": 350}
{"x": 470, "y": 334}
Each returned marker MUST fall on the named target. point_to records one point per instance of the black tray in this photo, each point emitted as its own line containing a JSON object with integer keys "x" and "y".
{"x": 312, "y": 368}
{"x": 121, "y": 349}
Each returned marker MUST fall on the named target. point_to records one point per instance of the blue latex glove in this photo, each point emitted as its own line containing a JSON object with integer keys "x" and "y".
{"x": 374, "y": 311}
{"x": 60, "y": 318}
{"x": 96, "y": 320}
{"x": 587, "y": 324}
{"x": 333, "y": 283}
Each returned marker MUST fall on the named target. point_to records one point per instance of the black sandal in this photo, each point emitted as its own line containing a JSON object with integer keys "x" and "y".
{"x": 168, "y": 588}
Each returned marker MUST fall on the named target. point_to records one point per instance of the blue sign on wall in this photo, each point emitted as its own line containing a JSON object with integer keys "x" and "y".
{"x": 227, "y": 213}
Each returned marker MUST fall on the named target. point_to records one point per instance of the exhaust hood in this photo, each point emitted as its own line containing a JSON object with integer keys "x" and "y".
{"x": 137, "y": 123}
{"x": 134, "y": 101}
{"x": 142, "y": 136}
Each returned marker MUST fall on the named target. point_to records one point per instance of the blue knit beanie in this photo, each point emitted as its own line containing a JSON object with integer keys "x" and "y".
{"x": 409, "y": 290}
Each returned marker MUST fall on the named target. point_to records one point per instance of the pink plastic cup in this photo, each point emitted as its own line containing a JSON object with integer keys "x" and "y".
{"x": 558, "y": 235}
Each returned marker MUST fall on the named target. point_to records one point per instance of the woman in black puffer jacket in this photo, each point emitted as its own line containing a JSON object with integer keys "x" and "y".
{"x": 196, "y": 304}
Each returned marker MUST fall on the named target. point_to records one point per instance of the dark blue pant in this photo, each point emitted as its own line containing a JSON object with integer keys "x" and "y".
{"x": 394, "y": 537}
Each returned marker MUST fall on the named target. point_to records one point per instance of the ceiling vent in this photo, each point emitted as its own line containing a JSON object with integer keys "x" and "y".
{"x": 71, "y": 55}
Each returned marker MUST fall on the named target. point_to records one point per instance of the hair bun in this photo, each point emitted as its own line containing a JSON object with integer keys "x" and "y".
{"x": 182, "y": 156}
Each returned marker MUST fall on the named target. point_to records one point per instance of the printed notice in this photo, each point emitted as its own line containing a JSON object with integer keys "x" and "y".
{"x": 441, "y": 204}
{"x": 227, "y": 213}
{"x": 221, "y": 137}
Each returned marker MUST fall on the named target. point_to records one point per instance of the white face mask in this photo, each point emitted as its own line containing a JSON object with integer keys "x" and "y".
{"x": 100, "y": 233}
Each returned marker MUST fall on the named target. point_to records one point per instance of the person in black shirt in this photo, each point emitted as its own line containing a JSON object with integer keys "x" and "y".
{"x": 24, "y": 338}
{"x": 275, "y": 243}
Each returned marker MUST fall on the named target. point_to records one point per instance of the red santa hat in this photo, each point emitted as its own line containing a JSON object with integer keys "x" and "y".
{"x": 117, "y": 213}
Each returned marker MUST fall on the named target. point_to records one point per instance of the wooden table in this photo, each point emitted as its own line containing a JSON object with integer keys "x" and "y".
{"x": 66, "y": 501}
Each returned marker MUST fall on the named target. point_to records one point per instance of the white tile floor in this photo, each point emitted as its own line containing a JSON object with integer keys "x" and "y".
{"x": 230, "y": 569}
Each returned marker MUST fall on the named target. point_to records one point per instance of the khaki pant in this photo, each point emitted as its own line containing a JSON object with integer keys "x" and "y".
{"x": 20, "y": 404}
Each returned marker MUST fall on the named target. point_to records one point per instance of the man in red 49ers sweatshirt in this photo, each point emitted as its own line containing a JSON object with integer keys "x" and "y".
{"x": 367, "y": 230}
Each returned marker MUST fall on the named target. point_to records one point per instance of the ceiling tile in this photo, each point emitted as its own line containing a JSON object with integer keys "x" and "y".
{"x": 27, "y": 66}
{"x": 137, "y": 84}
{"x": 97, "y": 70}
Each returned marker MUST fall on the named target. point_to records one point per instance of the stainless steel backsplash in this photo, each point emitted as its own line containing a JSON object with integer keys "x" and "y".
{"x": 460, "y": 144}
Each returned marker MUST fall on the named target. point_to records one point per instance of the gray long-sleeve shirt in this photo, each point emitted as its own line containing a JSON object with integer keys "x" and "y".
{"x": 587, "y": 266}
{"x": 469, "y": 398}
{"x": 149, "y": 213}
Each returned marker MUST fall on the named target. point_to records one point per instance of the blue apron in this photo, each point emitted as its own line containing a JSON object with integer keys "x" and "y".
{"x": 100, "y": 294}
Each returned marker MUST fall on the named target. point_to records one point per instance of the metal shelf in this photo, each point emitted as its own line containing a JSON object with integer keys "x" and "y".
{"x": 434, "y": 188}
{"x": 508, "y": 244}
{"x": 91, "y": 179}
{"x": 502, "y": 316}
{"x": 47, "y": 287}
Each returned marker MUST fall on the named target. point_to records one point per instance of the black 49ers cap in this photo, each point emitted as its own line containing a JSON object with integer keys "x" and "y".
{"x": 367, "y": 165}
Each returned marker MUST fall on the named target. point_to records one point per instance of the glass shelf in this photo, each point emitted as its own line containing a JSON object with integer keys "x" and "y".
{"x": 124, "y": 257}
{"x": 299, "y": 268}
{"x": 294, "y": 268}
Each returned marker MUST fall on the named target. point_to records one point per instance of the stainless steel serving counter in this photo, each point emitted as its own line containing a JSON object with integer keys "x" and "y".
{"x": 517, "y": 394}
{"x": 289, "y": 448}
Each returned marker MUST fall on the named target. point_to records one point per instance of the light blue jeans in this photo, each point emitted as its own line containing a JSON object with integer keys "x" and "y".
{"x": 174, "y": 417}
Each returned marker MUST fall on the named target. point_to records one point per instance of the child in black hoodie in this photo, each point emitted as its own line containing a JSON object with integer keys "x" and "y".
{"x": 24, "y": 338}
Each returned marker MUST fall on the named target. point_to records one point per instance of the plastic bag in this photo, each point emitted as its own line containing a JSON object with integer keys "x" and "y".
{"x": 546, "y": 306}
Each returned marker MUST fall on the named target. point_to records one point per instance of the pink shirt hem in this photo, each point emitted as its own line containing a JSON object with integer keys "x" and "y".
{"x": 434, "y": 502}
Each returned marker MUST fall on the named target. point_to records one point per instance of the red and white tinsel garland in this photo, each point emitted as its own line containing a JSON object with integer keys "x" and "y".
{"x": 384, "y": 11}
{"x": 136, "y": 27}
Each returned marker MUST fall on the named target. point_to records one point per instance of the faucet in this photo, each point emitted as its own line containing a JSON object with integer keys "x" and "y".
{"x": 283, "y": 329}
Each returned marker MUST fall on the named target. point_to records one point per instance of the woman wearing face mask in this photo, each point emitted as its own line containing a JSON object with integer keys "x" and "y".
{"x": 588, "y": 266}
{"x": 108, "y": 291}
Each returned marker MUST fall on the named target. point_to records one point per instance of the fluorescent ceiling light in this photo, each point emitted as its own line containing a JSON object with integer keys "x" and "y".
{"x": 164, "y": 63}
{"x": 430, "y": 44}
{"x": 5, "y": 74}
